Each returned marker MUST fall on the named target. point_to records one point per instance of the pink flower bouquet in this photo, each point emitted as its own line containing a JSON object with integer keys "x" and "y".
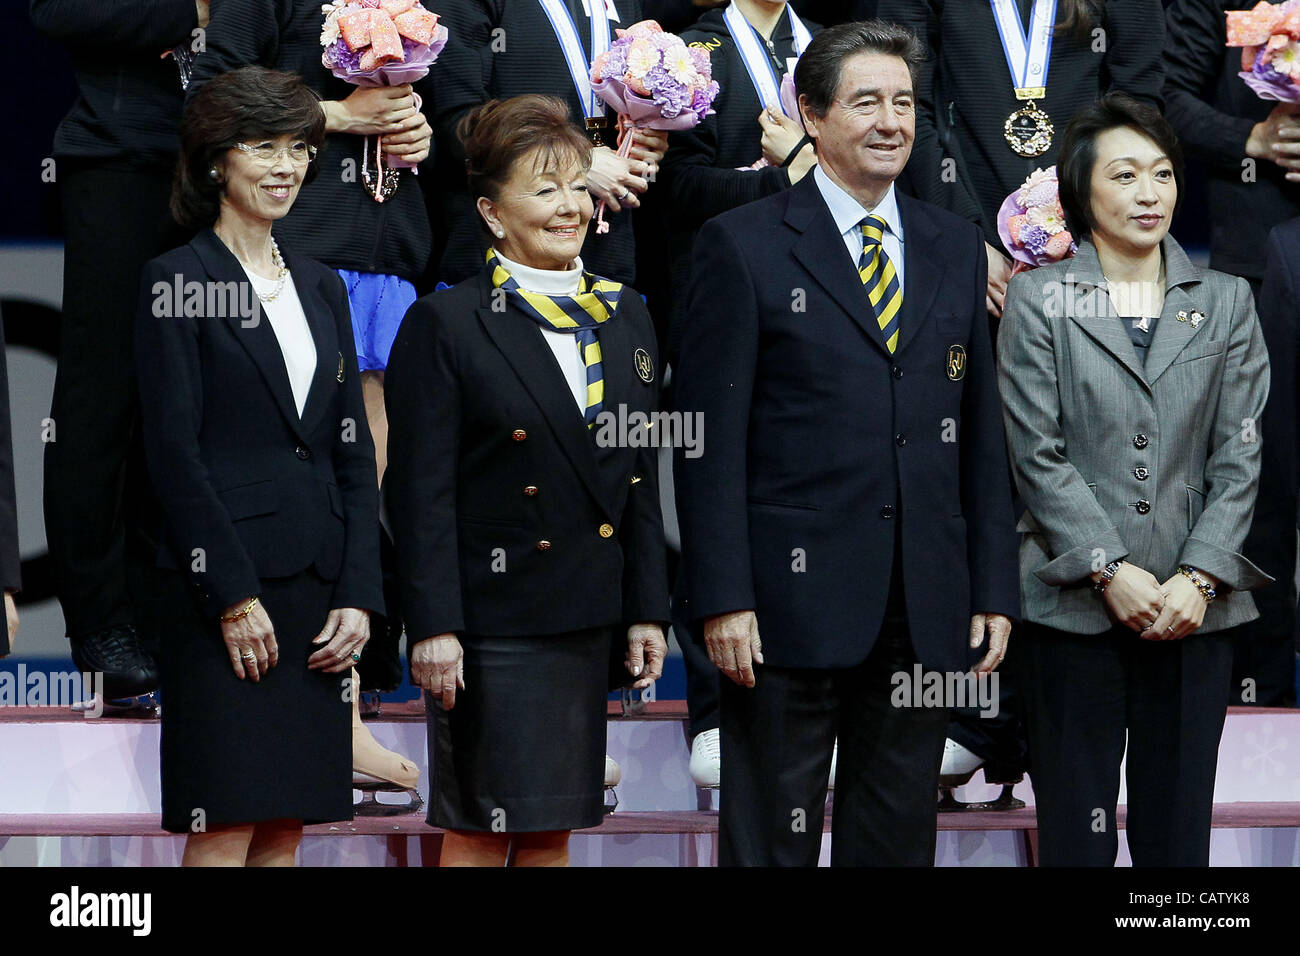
{"x": 654, "y": 81}
{"x": 1031, "y": 223}
{"x": 1269, "y": 36}
{"x": 380, "y": 43}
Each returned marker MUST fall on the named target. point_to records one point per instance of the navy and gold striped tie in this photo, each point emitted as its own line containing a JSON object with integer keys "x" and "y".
{"x": 880, "y": 280}
{"x": 581, "y": 314}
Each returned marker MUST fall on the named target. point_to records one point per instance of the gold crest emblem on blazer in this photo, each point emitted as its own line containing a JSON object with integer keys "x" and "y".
{"x": 956, "y": 362}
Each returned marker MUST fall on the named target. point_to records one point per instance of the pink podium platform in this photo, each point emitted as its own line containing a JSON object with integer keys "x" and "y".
{"x": 84, "y": 792}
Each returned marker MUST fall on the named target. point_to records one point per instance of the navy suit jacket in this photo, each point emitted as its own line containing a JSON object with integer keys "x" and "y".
{"x": 508, "y": 517}
{"x": 820, "y": 446}
{"x": 263, "y": 492}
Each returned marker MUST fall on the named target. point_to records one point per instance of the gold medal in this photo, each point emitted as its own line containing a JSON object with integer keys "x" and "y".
{"x": 1029, "y": 130}
{"x": 596, "y": 126}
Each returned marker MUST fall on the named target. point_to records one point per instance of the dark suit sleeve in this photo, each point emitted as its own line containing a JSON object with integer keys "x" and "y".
{"x": 463, "y": 72}
{"x": 715, "y": 380}
{"x": 925, "y": 176}
{"x": 128, "y": 25}
{"x": 423, "y": 397}
{"x": 702, "y": 190}
{"x": 1135, "y": 41}
{"x": 360, "y": 583}
{"x": 1277, "y": 320}
{"x": 171, "y": 413}
{"x": 241, "y": 32}
{"x": 10, "y": 563}
{"x": 645, "y": 571}
{"x": 1195, "y": 57}
{"x": 991, "y": 543}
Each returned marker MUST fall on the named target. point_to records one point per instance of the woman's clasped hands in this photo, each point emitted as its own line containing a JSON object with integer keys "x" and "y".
{"x": 1158, "y": 612}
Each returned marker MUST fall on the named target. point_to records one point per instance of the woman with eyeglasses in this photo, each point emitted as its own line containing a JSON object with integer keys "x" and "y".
{"x": 256, "y": 438}
{"x": 380, "y": 249}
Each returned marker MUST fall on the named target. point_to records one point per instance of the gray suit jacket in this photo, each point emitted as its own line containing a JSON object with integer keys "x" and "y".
{"x": 1157, "y": 465}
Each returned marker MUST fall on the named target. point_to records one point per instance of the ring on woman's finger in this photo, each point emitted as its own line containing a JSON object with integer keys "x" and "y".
{"x": 356, "y": 656}
{"x": 248, "y": 656}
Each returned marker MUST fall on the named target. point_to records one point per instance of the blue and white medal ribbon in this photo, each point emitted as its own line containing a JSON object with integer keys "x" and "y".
{"x": 1028, "y": 130}
{"x": 757, "y": 63}
{"x": 566, "y": 31}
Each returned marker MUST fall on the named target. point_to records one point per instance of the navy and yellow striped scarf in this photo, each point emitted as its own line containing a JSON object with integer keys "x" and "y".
{"x": 581, "y": 314}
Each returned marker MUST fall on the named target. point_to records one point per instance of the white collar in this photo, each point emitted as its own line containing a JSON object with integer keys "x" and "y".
{"x": 848, "y": 212}
{"x": 545, "y": 281}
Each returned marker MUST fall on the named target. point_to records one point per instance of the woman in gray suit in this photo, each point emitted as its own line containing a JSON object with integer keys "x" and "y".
{"x": 1132, "y": 384}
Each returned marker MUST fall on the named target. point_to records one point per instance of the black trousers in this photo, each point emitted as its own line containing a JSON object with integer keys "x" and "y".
{"x": 777, "y": 740}
{"x": 1000, "y": 738}
{"x": 114, "y": 220}
{"x": 1082, "y": 695}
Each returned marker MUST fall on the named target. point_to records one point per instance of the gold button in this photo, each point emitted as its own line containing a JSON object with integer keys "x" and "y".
{"x": 519, "y": 434}
{"x": 543, "y": 546}
{"x": 607, "y": 531}
{"x": 530, "y": 490}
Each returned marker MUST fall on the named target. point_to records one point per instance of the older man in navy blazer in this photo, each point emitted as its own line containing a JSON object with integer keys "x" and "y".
{"x": 852, "y": 503}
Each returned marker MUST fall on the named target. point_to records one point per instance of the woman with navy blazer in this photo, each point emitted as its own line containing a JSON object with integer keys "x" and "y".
{"x": 524, "y": 502}
{"x": 256, "y": 439}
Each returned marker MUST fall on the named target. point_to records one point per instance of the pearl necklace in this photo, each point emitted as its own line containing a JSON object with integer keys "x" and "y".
{"x": 283, "y": 274}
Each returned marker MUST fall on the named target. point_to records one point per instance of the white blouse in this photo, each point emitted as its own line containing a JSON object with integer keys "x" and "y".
{"x": 289, "y": 323}
{"x": 563, "y": 345}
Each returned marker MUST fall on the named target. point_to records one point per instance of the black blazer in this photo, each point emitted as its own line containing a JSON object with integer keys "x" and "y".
{"x": 822, "y": 446}
{"x": 129, "y": 105}
{"x": 1213, "y": 112}
{"x": 238, "y": 474}
{"x": 497, "y": 490}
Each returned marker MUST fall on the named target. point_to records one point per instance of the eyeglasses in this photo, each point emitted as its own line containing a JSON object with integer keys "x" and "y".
{"x": 265, "y": 154}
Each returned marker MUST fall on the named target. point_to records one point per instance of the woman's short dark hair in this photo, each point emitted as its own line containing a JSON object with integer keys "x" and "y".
{"x": 817, "y": 76}
{"x": 1079, "y": 152}
{"x": 496, "y": 134}
{"x": 249, "y": 103}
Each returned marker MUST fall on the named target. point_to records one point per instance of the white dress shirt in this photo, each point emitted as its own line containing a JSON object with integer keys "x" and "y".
{"x": 289, "y": 323}
{"x": 848, "y": 214}
{"x": 563, "y": 345}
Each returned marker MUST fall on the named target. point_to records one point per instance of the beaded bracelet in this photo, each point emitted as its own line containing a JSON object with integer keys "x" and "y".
{"x": 1202, "y": 585}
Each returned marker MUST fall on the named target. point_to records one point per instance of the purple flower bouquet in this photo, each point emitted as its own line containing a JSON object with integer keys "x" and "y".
{"x": 1031, "y": 223}
{"x": 654, "y": 81}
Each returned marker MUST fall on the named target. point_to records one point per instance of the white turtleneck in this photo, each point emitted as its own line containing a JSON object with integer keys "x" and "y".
{"x": 563, "y": 345}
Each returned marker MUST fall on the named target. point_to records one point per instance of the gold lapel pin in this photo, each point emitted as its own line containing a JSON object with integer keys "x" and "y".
{"x": 1182, "y": 316}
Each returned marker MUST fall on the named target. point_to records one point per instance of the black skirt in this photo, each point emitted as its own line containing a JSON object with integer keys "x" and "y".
{"x": 523, "y": 749}
{"x": 234, "y": 751}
